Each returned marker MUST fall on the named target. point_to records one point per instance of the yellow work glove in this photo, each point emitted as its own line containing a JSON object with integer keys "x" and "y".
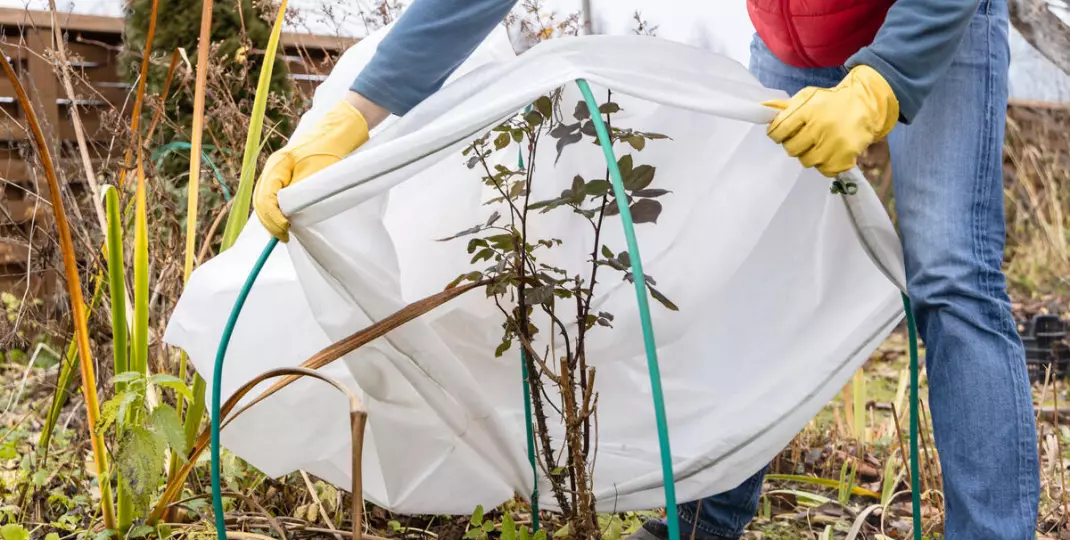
{"x": 336, "y": 135}
{"x": 828, "y": 128}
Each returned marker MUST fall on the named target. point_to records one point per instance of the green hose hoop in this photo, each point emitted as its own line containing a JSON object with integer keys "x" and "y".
{"x": 217, "y": 382}
{"x": 915, "y": 490}
{"x": 644, "y": 307}
{"x": 531, "y": 441}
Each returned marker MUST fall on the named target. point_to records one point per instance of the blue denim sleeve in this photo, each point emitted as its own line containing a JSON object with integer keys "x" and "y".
{"x": 430, "y": 40}
{"x": 915, "y": 46}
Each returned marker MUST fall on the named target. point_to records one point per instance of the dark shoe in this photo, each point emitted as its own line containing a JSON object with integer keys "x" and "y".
{"x": 657, "y": 530}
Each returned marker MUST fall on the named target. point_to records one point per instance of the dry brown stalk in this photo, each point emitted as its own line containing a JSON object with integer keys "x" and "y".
{"x": 74, "y": 289}
{"x": 318, "y": 360}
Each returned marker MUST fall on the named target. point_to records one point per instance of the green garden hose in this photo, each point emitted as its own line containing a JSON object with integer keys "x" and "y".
{"x": 217, "y": 382}
{"x": 639, "y": 279}
{"x": 648, "y": 339}
{"x": 915, "y": 490}
{"x": 531, "y": 440}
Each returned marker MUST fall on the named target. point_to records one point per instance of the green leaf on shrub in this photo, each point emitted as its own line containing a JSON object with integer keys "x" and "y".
{"x": 615, "y": 529}
{"x": 139, "y": 459}
{"x": 456, "y": 281}
{"x": 662, "y": 299}
{"x": 126, "y": 377}
{"x": 168, "y": 427}
{"x": 639, "y": 178}
{"x": 544, "y": 106}
{"x": 465, "y": 232}
{"x": 609, "y": 108}
{"x": 578, "y": 184}
{"x": 170, "y": 381}
{"x": 596, "y": 188}
{"x": 646, "y": 211}
{"x": 517, "y": 190}
{"x": 501, "y": 141}
{"x": 581, "y": 112}
{"x": 14, "y": 531}
{"x": 564, "y": 130}
{"x": 503, "y": 242}
{"x": 571, "y": 138}
{"x": 476, "y": 243}
{"x": 484, "y": 254}
{"x": 508, "y": 527}
{"x": 650, "y": 193}
{"x": 140, "y": 531}
{"x": 540, "y": 295}
{"x": 115, "y": 410}
{"x": 502, "y": 347}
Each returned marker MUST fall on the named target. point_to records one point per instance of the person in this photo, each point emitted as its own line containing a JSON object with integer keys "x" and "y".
{"x": 936, "y": 72}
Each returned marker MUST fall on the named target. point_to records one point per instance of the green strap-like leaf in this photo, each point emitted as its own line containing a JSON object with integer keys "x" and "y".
{"x": 239, "y": 210}
{"x": 116, "y": 282}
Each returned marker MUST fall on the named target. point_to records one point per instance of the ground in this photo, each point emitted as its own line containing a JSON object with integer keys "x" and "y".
{"x": 816, "y": 487}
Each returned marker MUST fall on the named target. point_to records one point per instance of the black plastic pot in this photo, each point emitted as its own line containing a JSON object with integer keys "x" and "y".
{"x": 1046, "y": 347}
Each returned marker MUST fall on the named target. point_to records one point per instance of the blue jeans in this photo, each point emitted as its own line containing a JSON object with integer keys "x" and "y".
{"x": 947, "y": 171}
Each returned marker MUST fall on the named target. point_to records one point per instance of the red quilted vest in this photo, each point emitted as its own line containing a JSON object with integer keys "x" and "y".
{"x": 817, "y": 33}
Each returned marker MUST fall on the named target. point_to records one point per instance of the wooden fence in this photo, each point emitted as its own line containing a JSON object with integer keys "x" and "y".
{"x": 93, "y": 44}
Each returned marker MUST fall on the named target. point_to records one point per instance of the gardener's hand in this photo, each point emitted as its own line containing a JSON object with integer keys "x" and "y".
{"x": 338, "y": 133}
{"x": 828, "y": 128}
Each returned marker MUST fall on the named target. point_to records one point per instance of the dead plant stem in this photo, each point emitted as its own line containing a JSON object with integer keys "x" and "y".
{"x": 930, "y": 463}
{"x": 319, "y": 504}
{"x": 74, "y": 288}
{"x": 899, "y": 435}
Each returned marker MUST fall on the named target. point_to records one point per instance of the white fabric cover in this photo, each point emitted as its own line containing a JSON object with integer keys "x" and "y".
{"x": 779, "y": 300}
